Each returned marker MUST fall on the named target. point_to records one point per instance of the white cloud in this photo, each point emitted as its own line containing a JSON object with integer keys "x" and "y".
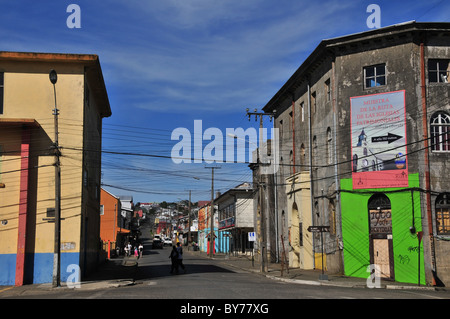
{"x": 202, "y": 65}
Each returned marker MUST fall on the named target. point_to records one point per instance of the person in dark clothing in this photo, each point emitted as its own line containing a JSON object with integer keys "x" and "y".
{"x": 180, "y": 257}
{"x": 174, "y": 257}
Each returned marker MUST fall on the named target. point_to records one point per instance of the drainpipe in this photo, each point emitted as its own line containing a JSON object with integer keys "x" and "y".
{"x": 427, "y": 163}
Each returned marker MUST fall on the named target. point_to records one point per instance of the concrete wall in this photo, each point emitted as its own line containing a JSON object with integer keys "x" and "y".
{"x": 28, "y": 94}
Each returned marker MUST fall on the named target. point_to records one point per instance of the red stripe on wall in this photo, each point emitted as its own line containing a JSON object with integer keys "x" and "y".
{"x": 23, "y": 204}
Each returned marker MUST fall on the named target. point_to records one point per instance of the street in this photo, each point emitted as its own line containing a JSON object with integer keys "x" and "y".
{"x": 213, "y": 279}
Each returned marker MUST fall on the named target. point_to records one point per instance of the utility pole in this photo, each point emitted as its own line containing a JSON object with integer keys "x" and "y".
{"x": 189, "y": 212}
{"x": 211, "y": 233}
{"x": 57, "y": 249}
{"x": 263, "y": 235}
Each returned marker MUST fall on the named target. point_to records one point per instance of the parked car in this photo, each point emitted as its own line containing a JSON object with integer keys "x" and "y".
{"x": 167, "y": 241}
{"x": 157, "y": 244}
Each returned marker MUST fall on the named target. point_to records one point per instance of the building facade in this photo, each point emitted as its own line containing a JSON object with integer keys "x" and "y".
{"x": 204, "y": 229}
{"x": 235, "y": 208}
{"x": 111, "y": 232}
{"x": 364, "y": 150}
{"x": 27, "y": 170}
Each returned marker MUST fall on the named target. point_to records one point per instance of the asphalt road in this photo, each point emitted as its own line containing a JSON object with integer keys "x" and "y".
{"x": 212, "y": 289}
{"x": 214, "y": 280}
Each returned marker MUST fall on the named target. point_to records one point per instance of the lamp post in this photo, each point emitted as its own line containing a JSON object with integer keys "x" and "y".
{"x": 57, "y": 249}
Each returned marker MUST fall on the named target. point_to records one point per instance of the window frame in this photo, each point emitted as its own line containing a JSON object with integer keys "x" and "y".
{"x": 442, "y": 212}
{"x": 329, "y": 149}
{"x": 438, "y": 71}
{"x": 438, "y": 131}
{"x": 328, "y": 90}
{"x": 375, "y": 75}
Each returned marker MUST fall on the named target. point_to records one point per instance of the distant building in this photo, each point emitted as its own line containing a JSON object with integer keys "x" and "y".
{"x": 235, "y": 219}
{"x": 126, "y": 211}
{"x": 27, "y": 162}
{"x": 110, "y": 221}
{"x": 204, "y": 228}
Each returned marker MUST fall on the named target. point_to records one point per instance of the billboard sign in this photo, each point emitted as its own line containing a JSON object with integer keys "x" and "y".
{"x": 378, "y": 137}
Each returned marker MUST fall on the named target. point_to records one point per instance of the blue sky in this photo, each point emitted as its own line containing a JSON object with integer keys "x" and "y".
{"x": 167, "y": 63}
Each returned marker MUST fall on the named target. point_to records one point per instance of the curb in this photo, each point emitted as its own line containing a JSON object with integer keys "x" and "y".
{"x": 333, "y": 284}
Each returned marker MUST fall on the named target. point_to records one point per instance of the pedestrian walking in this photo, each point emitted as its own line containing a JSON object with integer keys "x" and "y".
{"x": 136, "y": 253}
{"x": 174, "y": 257}
{"x": 180, "y": 256}
{"x": 141, "y": 249}
{"x": 126, "y": 250}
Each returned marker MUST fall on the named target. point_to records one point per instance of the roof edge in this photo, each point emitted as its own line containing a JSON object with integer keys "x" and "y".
{"x": 53, "y": 57}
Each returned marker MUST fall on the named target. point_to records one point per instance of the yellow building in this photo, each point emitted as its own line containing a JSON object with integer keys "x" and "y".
{"x": 298, "y": 192}
{"x": 27, "y": 172}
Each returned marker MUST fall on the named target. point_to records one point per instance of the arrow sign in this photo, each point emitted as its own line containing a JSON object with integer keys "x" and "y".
{"x": 389, "y": 138}
{"x": 319, "y": 229}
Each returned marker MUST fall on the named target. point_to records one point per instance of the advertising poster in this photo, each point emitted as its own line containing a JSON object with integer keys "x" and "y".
{"x": 378, "y": 137}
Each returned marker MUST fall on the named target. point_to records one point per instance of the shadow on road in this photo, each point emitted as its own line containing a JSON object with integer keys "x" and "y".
{"x": 157, "y": 271}
{"x": 114, "y": 269}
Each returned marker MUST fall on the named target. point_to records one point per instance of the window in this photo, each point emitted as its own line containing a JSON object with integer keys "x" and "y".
{"x": 291, "y": 162}
{"x": 443, "y": 214}
{"x": 303, "y": 157}
{"x": 329, "y": 147}
{"x": 380, "y": 215}
{"x": 440, "y": 132}
{"x": 375, "y": 76}
{"x": 290, "y": 121}
{"x": 438, "y": 71}
{"x": 1, "y": 91}
{"x": 302, "y": 106}
{"x": 281, "y": 130}
{"x": 300, "y": 233}
{"x": 328, "y": 90}
{"x": 313, "y": 102}
{"x": 102, "y": 210}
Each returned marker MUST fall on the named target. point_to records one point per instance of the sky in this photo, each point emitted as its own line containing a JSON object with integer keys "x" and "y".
{"x": 168, "y": 63}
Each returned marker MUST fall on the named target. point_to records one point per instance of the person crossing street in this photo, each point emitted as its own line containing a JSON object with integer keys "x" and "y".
{"x": 180, "y": 256}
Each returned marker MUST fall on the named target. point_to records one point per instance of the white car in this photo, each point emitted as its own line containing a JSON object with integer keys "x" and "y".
{"x": 167, "y": 241}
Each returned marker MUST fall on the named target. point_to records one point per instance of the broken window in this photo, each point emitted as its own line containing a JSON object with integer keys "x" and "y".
{"x": 375, "y": 76}
{"x": 438, "y": 71}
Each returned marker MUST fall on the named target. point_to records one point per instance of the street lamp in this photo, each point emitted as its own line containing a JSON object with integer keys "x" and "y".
{"x": 53, "y": 76}
{"x": 57, "y": 248}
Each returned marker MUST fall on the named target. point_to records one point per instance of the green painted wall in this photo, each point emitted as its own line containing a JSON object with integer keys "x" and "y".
{"x": 355, "y": 231}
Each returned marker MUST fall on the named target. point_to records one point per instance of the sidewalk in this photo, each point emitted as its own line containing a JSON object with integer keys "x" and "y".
{"x": 113, "y": 273}
{"x": 305, "y": 277}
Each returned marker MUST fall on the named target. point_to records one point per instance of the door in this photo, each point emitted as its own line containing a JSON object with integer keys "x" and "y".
{"x": 380, "y": 234}
{"x": 381, "y": 257}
